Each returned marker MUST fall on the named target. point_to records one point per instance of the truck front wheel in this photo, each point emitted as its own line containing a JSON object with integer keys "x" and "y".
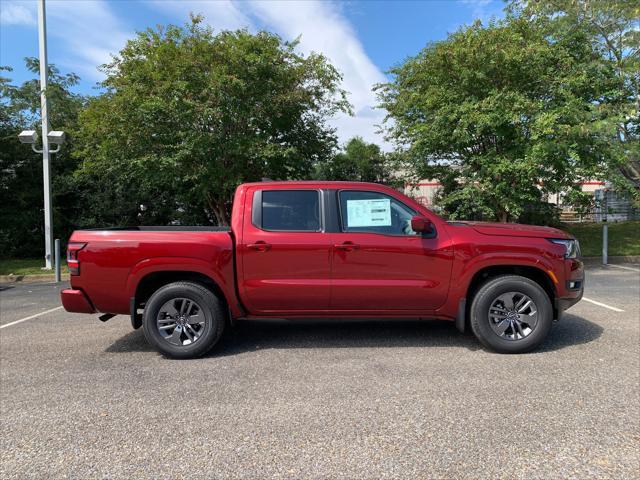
{"x": 183, "y": 320}
{"x": 511, "y": 314}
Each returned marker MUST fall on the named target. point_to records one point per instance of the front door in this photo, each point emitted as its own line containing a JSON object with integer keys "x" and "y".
{"x": 284, "y": 253}
{"x": 380, "y": 263}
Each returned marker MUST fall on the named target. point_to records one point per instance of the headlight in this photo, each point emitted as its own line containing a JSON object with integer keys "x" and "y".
{"x": 572, "y": 247}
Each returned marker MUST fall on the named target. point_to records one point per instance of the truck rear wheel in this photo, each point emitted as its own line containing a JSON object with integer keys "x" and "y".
{"x": 183, "y": 320}
{"x": 511, "y": 314}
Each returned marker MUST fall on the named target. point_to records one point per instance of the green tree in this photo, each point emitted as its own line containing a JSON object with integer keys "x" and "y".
{"x": 188, "y": 115}
{"x": 502, "y": 115}
{"x": 21, "y": 191}
{"x": 612, "y": 28}
{"x": 359, "y": 161}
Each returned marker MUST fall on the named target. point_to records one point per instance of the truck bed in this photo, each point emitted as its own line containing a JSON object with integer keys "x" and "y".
{"x": 114, "y": 260}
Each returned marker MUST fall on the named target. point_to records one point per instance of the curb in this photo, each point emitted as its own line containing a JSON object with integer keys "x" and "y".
{"x": 31, "y": 278}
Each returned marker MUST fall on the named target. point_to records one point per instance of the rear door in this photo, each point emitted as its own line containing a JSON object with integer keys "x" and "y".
{"x": 285, "y": 252}
{"x": 380, "y": 263}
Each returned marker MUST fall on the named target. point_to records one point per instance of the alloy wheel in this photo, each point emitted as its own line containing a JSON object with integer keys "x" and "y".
{"x": 180, "y": 321}
{"x": 513, "y": 316}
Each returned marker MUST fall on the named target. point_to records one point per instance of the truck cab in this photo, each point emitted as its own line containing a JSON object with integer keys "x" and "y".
{"x": 331, "y": 248}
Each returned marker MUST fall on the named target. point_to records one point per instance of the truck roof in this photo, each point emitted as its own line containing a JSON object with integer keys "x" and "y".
{"x": 327, "y": 183}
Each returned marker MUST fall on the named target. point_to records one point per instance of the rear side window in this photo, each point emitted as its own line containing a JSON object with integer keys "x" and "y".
{"x": 291, "y": 210}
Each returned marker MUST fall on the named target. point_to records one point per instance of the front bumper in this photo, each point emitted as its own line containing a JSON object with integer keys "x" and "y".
{"x": 76, "y": 301}
{"x": 569, "y": 290}
{"x": 563, "y": 303}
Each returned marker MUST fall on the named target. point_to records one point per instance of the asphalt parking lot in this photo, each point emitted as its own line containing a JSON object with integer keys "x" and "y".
{"x": 396, "y": 399}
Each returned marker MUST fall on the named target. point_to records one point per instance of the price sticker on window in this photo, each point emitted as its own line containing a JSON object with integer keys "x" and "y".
{"x": 369, "y": 213}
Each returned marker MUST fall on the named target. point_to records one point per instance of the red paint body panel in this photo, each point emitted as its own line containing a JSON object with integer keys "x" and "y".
{"x": 304, "y": 274}
{"x": 516, "y": 230}
{"x": 391, "y": 272}
{"x": 76, "y": 301}
{"x": 293, "y": 275}
{"x": 114, "y": 261}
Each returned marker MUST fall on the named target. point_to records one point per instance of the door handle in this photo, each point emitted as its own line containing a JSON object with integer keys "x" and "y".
{"x": 260, "y": 246}
{"x": 346, "y": 246}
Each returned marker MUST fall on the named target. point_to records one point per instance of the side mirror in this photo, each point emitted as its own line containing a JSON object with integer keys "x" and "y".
{"x": 421, "y": 224}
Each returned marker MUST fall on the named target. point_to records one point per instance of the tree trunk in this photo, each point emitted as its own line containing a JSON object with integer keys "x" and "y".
{"x": 218, "y": 209}
{"x": 220, "y": 212}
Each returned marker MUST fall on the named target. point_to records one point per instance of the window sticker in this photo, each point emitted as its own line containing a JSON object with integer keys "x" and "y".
{"x": 369, "y": 213}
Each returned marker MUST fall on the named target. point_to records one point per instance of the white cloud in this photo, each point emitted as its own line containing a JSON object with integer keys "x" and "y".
{"x": 221, "y": 14}
{"x": 322, "y": 28}
{"x": 88, "y": 28}
{"x": 14, "y": 13}
{"x": 483, "y": 10}
{"x": 91, "y": 31}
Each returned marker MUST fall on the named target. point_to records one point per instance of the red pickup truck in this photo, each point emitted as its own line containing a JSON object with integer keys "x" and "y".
{"x": 326, "y": 249}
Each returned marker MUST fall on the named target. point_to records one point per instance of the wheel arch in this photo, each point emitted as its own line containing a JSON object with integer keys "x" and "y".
{"x": 150, "y": 274}
{"x": 535, "y": 274}
{"x": 151, "y": 282}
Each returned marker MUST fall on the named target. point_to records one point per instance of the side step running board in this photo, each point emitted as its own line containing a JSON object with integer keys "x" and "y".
{"x": 106, "y": 316}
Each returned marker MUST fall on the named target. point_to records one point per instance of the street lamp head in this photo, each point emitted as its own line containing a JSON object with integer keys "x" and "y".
{"x": 28, "y": 136}
{"x": 56, "y": 137}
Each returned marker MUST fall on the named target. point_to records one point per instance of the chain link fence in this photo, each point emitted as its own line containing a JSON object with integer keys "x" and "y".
{"x": 609, "y": 206}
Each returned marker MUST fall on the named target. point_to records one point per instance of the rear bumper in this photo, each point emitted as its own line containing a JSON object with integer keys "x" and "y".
{"x": 76, "y": 301}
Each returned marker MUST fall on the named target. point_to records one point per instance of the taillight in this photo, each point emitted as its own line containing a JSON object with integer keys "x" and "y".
{"x": 72, "y": 257}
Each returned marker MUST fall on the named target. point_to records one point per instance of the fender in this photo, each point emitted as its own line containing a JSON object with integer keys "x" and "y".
{"x": 476, "y": 264}
{"x": 220, "y": 277}
{"x": 468, "y": 270}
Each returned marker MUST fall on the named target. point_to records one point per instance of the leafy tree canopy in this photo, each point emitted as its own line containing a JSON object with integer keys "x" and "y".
{"x": 189, "y": 114}
{"x": 359, "y": 161}
{"x": 612, "y": 28}
{"x": 503, "y": 115}
{"x": 21, "y": 191}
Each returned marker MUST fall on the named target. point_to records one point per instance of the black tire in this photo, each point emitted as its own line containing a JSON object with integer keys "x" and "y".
{"x": 211, "y": 312}
{"x": 490, "y": 292}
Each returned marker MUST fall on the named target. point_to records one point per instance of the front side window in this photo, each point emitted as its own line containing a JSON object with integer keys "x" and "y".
{"x": 291, "y": 210}
{"x": 374, "y": 212}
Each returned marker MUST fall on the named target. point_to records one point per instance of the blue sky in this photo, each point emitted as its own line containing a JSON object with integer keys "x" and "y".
{"x": 363, "y": 39}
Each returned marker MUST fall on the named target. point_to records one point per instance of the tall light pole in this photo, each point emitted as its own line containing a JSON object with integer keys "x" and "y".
{"x": 55, "y": 137}
{"x": 48, "y": 214}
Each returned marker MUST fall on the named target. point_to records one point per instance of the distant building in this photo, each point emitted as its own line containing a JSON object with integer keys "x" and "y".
{"x": 424, "y": 192}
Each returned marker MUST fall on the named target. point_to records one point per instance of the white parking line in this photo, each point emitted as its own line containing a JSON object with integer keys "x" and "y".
{"x": 602, "y": 304}
{"x": 626, "y": 268}
{"x": 29, "y": 318}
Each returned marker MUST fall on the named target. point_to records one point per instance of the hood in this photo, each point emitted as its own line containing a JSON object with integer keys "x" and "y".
{"x": 515, "y": 230}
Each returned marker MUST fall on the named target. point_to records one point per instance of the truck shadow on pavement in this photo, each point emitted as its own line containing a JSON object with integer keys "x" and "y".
{"x": 248, "y": 336}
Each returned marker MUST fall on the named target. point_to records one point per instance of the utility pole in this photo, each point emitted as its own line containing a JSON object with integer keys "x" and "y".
{"x": 46, "y": 164}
